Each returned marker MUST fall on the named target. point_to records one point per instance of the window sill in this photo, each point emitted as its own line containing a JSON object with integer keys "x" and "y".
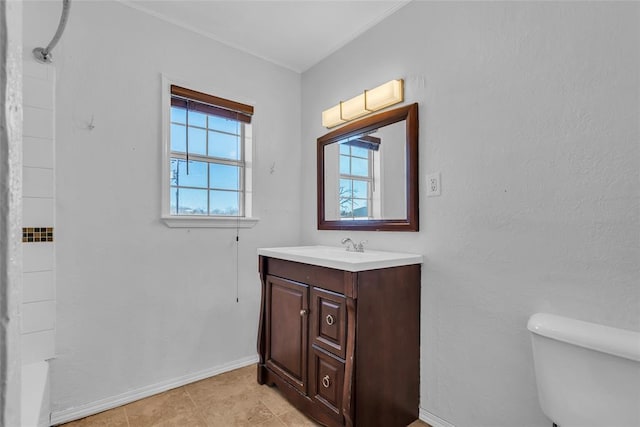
{"x": 208, "y": 222}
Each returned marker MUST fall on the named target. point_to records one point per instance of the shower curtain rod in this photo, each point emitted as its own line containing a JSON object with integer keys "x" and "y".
{"x": 44, "y": 54}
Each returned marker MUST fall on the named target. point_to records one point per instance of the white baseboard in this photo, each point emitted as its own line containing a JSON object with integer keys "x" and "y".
{"x": 101, "y": 405}
{"x": 433, "y": 420}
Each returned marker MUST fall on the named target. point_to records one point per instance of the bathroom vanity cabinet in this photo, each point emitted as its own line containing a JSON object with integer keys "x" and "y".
{"x": 342, "y": 346}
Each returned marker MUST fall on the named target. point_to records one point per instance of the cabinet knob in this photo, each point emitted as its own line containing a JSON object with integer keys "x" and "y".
{"x": 303, "y": 312}
{"x": 330, "y": 320}
{"x": 326, "y": 381}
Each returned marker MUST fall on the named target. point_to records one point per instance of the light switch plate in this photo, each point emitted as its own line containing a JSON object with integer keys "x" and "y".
{"x": 433, "y": 184}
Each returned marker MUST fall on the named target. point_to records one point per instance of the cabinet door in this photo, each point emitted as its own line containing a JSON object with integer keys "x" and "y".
{"x": 287, "y": 326}
{"x": 329, "y": 321}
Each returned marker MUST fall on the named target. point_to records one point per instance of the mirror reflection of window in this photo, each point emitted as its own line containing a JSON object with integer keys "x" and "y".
{"x": 369, "y": 180}
{"x": 356, "y": 181}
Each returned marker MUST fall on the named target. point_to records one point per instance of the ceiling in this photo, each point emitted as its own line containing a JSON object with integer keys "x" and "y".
{"x": 295, "y": 34}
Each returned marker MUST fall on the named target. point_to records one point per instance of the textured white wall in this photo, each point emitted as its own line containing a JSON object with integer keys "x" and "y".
{"x": 10, "y": 211}
{"x": 139, "y": 303}
{"x": 530, "y": 111}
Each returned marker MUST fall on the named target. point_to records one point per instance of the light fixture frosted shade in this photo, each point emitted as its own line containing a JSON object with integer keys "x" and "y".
{"x": 384, "y": 95}
{"x": 372, "y": 100}
{"x": 331, "y": 117}
{"x": 354, "y": 108}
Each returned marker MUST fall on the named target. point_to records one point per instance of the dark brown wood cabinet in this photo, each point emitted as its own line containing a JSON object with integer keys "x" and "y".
{"x": 342, "y": 346}
{"x": 287, "y": 330}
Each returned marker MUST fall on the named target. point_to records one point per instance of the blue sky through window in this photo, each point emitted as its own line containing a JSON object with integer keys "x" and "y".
{"x": 213, "y": 184}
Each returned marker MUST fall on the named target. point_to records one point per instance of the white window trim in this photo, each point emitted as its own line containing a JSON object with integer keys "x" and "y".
{"x": 192, "y": 221}
{"x": 196, "y": 221}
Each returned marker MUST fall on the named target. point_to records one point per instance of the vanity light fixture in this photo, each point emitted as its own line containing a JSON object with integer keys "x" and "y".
{"x": 369, "y": 101}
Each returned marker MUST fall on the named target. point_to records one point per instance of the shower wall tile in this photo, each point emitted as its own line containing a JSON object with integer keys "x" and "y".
{"x": 37, "y": 122}
{"x": 37, "y": 257}
{"x": 37, "y": 182}
{"x": 33, "y": 68}
{"x": 37, "y": 152}
{"x": 38, "y": 286}
{"x": 38, "y": 316}
{"x": 37, "y": 212}
{"x": 38, "y": 346}
{"x": 38, "y": 308}
{"x": 37, "y": 93}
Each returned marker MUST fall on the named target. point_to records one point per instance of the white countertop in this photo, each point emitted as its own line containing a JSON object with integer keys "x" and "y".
{"x": 339, "y": 258}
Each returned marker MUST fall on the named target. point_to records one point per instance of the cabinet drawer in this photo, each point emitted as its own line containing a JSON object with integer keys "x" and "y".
{"x": 328, "y": 278}
{"x": 328, "y": 321}
{"x": 327, "y": 381}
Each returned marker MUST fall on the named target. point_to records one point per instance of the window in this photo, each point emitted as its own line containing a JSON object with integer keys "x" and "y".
{"x": 207, "y": 180}
{"x": 356, "y": 181}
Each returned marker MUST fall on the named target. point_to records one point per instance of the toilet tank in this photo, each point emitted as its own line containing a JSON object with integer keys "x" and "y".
{"x": 587, "y": 374}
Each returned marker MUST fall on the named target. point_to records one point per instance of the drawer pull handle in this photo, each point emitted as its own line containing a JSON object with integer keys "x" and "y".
{"x": 303, "y": 312}
{"x": 326, "y": 381}
{"x": 330, "y": 320}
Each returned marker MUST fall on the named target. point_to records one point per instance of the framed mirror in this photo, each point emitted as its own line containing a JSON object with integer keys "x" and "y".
{"x": 368, "y": 173}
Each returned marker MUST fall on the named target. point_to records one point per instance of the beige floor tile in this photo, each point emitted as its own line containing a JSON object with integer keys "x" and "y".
{"x": 243, "y": 409}
{"x": 206, "y": 392}
{"x": 232, "y": 399}
{"x": 274, "y": 422}
{"x": 295, "y": 418}
{"x": 112, "y": 418}
{"x": 273, "y": 400}
{"x": 171, "y": 408}
{"x": 418, "y": 423}
{"x": 247, "y": 372}
{"x": 190, "y": 419}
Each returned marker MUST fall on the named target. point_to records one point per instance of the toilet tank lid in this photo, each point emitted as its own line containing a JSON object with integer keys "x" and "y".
{"x": 619, "y": 342}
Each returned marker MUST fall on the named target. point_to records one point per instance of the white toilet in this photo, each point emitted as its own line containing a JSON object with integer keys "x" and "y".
{"x": 588, "y": 375}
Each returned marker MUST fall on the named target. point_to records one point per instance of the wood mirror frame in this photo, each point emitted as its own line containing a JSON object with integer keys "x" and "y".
{"x": 409, "y": 114}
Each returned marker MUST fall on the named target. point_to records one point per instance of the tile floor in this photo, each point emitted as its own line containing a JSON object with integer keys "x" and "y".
{"x": 227, "y": 400}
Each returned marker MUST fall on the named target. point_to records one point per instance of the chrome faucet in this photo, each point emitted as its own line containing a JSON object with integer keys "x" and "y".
{"x": 352, "y": 246}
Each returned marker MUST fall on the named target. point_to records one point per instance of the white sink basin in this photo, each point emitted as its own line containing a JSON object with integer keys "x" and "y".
{"x": 341, "y": 259}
